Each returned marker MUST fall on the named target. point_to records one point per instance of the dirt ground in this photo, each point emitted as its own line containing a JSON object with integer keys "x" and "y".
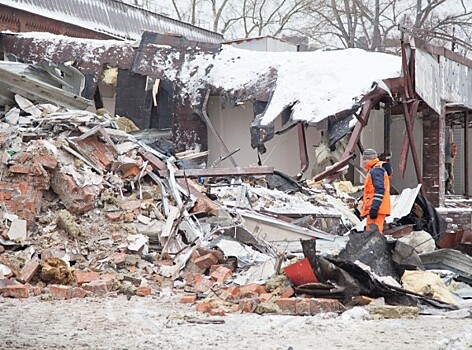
{"x": 163, "y": 323}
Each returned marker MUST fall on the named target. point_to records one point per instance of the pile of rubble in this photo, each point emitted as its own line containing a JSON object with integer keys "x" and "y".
{"x": 91, "y": 206}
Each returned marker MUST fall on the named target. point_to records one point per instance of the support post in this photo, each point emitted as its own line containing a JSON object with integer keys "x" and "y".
{"x": 387, "y": 116}
{"x": 304, "y": 162}
{"x": 434, "y": 128}
{"x": 466, "y": 154}
{"x": 213, "y": 129}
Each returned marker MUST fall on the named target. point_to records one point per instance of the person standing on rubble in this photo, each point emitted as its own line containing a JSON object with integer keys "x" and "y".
{"x": 376, "y": 201}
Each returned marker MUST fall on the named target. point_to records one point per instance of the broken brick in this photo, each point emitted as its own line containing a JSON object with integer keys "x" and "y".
{"x": 235, "y": 291}
{"x": 116, "y": 236}
{"x": 213, "y": 312}
{"x": 319, "y": 305}
{"x": 98, "y": 287}
{"x": 303, "y": 307}
{"x": 15, "y": 291}
{"x": 203, "y": 285}
{"x": 46, "y": 160}
{"x": 85, "y": 277}
{"x": 131, "y": 172}
{"x": 114, "y": 216}
{"x": 78, "y": 292}
{"x": 77, "y": 199}
{"x": 222, "y": 274}
{"x": 19, "y": 169}
{"x": 35, "y": 291}
{"x": 204, "y": 205}
{"x": 29, "y": 270}
{"x": 361, "y": 300}
{"x": 119, "y": 259}
{"x": 131, "y": 205}
{"x": 251, "y": 290}
{"x": 265, "y": 297}
{"x": 206, "y": 261}
{"x": 216, "y": 252}
{"x": 247, "y": 306}
{"x": 108, "y": 277}
{"x": 188, "y": 299}
{"x": 189, "y": 278}
{"x": 287, "y": 305}
{"x": 23, "y": 157}
{"x": 60, "y": 292}
{"x": 308, "y": 306}
{"x": 195, "y": 255}
{"x": 204, "y": 306}
{"x": 143, "y": 291}
{"x": 225, "y": 295}
{"x": 288, "y": 293}
{"x": 231, "y": 266}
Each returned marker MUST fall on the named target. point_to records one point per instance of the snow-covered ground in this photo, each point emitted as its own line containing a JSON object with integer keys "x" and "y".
{"x": 154, "y": 323}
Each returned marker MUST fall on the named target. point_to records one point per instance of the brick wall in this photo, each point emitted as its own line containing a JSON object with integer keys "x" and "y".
{"x": 433, "y": 157}
{"x": 461, "y": 218}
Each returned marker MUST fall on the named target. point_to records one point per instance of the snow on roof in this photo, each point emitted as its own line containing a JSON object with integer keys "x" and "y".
{"x": 318, "y": 84}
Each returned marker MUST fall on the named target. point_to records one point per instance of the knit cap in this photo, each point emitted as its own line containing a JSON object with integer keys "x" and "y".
{"x": 369, "y": 154}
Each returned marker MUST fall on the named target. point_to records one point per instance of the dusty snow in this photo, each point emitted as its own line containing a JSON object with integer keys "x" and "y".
{"x": 319, "y": 83}
{"x": 159, "y": 323}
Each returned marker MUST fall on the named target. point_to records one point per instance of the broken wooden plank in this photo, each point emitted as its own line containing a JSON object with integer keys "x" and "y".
{"x": 334, "y": 168}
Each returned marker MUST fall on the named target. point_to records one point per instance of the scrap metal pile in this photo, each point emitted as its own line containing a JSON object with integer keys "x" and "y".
{"x": 90, "y": 208}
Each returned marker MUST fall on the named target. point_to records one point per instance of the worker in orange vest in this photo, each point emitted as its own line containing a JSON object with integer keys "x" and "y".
{"x": 376, "y": 202}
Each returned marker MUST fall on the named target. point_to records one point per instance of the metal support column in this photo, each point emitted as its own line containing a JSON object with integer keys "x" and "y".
{"x": 466, "y": 154}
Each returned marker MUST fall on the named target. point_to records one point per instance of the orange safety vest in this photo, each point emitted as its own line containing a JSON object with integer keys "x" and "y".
{"x": 369, "y": 191}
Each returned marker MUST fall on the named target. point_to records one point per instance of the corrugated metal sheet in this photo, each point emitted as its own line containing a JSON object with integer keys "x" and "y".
{"x": 112, "y": 17}
{"x": 456, "y": 82}
{"x": 428, "y": 79}
{"x": 442, "y": 79}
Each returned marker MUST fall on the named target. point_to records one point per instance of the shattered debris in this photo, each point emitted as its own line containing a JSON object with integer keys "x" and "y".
{"x": 89, "y": 209}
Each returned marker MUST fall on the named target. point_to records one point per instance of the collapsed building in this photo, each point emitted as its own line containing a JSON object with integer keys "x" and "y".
{"x": 85, "y": 150}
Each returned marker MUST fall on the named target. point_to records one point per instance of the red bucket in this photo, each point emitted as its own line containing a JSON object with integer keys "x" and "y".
{"x": 300, "y": 273}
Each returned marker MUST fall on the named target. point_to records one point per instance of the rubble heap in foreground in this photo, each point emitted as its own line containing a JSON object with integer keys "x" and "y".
{"x": 91, "y": 210}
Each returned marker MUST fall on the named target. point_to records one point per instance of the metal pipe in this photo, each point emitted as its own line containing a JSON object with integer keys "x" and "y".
{"x": 466, "y": 153}
{"x": 387, "y": 115}
{"x": 304, "y": 161}
{"x": 213, "y": 129}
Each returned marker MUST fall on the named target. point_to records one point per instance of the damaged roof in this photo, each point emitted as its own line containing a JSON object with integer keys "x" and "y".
{"x": 315, "y": 84}
{"x": 113, "y": 18}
